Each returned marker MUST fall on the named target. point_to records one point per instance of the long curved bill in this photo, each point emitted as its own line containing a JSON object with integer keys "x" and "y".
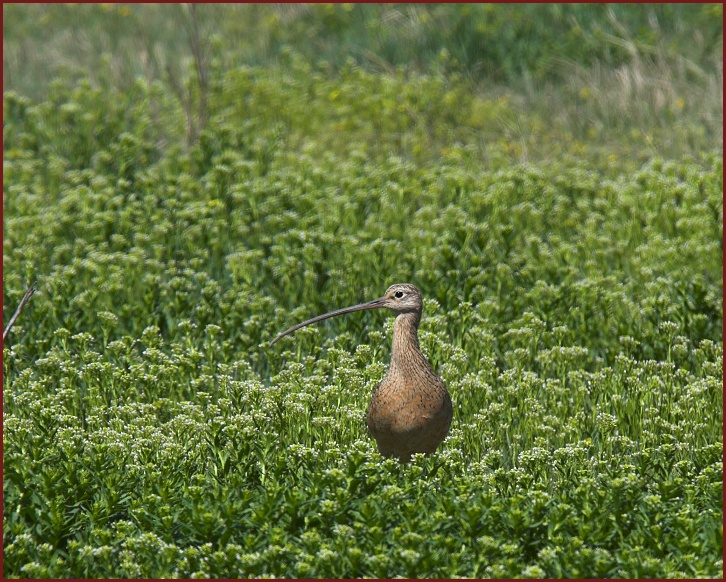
{"x": 375, "y": 304}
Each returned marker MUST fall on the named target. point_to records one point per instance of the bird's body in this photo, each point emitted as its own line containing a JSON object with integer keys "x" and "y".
{"x": 410, "y": 410}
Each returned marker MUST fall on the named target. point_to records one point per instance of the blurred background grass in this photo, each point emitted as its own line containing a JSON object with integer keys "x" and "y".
{"x": 617, "y": 83}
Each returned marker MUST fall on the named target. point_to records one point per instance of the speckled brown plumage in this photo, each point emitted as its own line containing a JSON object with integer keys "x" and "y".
{"x": 410, "y": 410}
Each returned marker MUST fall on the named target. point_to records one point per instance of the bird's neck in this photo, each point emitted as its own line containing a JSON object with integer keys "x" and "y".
{"x": 406, "y": 353}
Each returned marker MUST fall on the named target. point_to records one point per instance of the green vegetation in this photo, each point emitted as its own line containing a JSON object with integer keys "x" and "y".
{"x": 619, "y": 84}
{"x": 566, "y": 235}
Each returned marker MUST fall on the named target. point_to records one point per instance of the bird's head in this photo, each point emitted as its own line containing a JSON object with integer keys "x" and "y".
{"x": 399, "y": 298}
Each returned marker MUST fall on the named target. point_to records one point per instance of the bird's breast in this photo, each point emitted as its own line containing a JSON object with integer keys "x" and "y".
{"x": 405, "y": 405}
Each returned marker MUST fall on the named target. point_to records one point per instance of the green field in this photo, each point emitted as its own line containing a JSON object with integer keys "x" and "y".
{"x": 182, "y": 186}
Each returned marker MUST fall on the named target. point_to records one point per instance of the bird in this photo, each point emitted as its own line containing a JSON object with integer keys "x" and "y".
{"x": 410, "y": 410}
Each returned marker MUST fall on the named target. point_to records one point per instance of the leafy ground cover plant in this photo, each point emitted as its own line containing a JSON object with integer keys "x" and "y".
{"x": 574, "y": 309}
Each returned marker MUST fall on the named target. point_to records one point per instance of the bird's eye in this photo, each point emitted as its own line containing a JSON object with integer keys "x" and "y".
{"x": 398, "y": 294}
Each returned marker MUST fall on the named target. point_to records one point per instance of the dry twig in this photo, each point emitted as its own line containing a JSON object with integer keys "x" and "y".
{"x": 28, "y": 294}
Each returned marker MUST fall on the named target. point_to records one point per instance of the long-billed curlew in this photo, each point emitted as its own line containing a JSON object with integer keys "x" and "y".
{"x": 410, "y": 410}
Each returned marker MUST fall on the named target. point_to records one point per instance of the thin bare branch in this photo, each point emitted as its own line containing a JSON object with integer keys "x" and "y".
{"x": 201, "y": 64}
{"x": 28, "y": 294}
